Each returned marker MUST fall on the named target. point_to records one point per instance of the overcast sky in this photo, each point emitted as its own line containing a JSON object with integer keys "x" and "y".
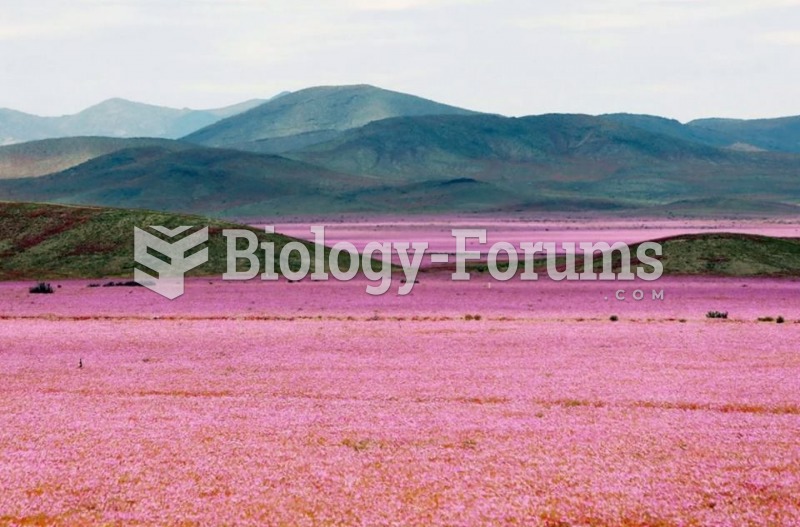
{"x": 678, "y": 58}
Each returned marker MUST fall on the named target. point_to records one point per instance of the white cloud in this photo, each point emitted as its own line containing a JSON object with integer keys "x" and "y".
{"x": 52, "y": 21}
{"x": 781, "y": 38}
{"x": 682, "y": 58}
{"x": 400, "y": 5}
{"x": 638, "y": 14}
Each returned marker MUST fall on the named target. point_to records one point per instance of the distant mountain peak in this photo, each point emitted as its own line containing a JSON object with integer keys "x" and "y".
{"x": 116, "y": 100}
{"x": 316, "y": 110}
{"x": 114, "y": 117}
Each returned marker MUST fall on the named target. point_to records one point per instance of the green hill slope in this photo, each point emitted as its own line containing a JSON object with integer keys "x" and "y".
{"x": 707, "y": 254}
{"x": 39, "y": 241}
{"x": 730, "y": 254}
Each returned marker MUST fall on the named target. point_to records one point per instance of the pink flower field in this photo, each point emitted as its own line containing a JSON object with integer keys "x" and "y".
{"x": 478, "y": 403}
{"x": 437, "y": 230}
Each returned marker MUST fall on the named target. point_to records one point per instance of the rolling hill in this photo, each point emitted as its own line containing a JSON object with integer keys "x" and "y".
{"x": 674, "y": 128}
{"x": 727, "y": 254}
{"x": 777, "y": 135}
{"x": 44, "y": 242}
{"x": 114, "y": 118}
{"x": 718, "y": 254}
{"x": 438, "y": 145}
{"x": 781, "y": 134}
{"x": 38, "y": 158}
{"x": 558, "y": 157}
{"x": 312, "y": 115}
{"x": 197, "y": 180}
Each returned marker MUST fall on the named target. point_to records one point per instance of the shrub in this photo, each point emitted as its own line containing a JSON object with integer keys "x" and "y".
{"x": 129, "y": 283}
{"x": 41, "y": 288}
{"x": 717, "y": 314}
{"x": 780, "y": 320}
{"x": 614, "y": 318}
{"x": 766, "y": 319}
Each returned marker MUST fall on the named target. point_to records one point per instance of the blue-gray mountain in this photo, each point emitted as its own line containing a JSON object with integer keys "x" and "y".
{"x": 114, "y": 118}
{"x": 314, "y": 115}
{"x": 779, "y": 135}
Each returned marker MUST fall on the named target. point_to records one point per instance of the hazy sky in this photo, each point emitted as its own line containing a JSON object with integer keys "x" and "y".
{"x": 679, "y": 58}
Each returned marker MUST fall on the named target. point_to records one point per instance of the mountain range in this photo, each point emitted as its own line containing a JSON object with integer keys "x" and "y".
{"x": 339, "y": 149}
{"x": 780, "y": 135}
{"x": 114, "y": 118}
